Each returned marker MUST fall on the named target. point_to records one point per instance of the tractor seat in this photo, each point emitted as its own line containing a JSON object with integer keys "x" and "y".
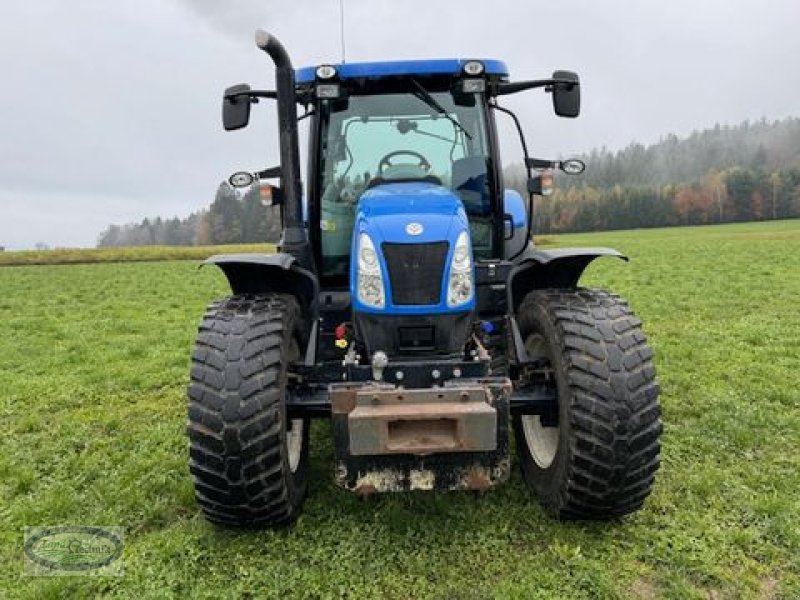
{"x": 403, "y": 173}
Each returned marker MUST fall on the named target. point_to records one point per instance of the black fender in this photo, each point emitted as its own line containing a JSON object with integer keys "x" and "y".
{"x": 554, "y": 268}
{"x": 279, "y": 273}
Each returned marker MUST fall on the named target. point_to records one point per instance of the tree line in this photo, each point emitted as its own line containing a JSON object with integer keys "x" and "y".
{"x": 232, "y": 218}
{"x": 724, "y": 174}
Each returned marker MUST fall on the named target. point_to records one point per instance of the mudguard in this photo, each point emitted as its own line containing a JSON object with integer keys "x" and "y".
{"x": 553, "y": 268}
{"x": 279, "y": 273}
{"x": 261, "y": 273}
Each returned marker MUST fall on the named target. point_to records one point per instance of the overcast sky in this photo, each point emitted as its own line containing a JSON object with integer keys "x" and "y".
{"x": 110, "y": 110}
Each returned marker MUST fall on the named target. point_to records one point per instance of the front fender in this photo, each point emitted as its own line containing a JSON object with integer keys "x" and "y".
{"x": 264, "y": 273}
{"x": 554, "y": 268}
{"x": 275, "y": 273}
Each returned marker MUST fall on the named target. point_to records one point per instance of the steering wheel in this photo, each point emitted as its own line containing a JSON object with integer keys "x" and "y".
{"x": 386, "y": 161}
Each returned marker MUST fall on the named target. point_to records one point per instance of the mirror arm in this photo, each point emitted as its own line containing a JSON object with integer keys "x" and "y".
{"x": 519, "y": 131}
{"x": 539, "y": 163}
{"x": 527, "y": 158}
{"x": 504, "y": 88}
{"x": 302, "y": 96}
{"x": 252, "y": 94}
{"x": 271, "y": 173}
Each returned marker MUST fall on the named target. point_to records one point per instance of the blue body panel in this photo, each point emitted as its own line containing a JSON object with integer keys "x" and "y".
{"x": 442, "y": 66}
{"x": 383, "y": 213}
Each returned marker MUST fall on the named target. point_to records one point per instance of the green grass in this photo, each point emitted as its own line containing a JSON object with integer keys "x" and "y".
{"x": 93, "y": 364}
{"x": 64, "y": 256}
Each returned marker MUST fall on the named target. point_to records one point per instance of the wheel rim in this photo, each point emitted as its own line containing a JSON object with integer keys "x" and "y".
{"x": 542, "y": 441}
{"x": 294, "y": 443}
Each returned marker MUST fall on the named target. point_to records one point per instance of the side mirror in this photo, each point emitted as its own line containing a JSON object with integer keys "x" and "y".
{"x": 572, "y": 166}
{"x": 567, "y": 96}
{"x": 268, "y": 195}
{"x": 236, "y": 107}
{"x": 241, "y": 179}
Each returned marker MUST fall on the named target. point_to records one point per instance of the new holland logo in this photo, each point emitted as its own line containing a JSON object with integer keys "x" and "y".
{"x": 414, "y": 228}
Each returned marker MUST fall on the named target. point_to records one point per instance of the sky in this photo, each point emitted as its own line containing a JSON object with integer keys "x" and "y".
{"x": 111, "y": 110}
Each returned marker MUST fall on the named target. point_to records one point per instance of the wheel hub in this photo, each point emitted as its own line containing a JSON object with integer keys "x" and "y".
{"x": 542, "y": 441}
{"x": 294, "y": 443}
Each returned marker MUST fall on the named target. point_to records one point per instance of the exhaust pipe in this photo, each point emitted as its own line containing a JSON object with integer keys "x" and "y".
{"x": 294, "y": 240}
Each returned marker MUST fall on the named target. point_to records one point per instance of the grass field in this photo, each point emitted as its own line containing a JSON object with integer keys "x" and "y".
{"x": 93, "y": 368}
{"x": 68, "y": 256}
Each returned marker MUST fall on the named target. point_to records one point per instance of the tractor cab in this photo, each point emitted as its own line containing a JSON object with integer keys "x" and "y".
{"x": 404, "y": 196}
{"x": 407, "y": 304}
{"x": 397, "y": 123}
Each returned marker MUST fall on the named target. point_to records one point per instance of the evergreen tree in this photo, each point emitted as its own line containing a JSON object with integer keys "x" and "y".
{"x": 225, "y": 216}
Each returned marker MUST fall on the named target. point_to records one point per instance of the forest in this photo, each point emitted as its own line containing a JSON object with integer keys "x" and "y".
{"x": 747, "y": 172}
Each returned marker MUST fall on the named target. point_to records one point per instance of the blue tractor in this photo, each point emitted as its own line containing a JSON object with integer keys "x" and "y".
{"x": 408, "y": 304}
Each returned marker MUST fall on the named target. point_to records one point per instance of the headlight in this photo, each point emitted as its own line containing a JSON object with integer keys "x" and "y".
{"x": 326, "y": 72}
{"x": 473, "y": 68}
{"x": 370, "y": 282}
{"x": 460, "y": 286}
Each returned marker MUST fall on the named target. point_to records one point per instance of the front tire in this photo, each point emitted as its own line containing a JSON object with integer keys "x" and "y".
{"x": 249, "y": 462}
{"x": 599, "y": 460}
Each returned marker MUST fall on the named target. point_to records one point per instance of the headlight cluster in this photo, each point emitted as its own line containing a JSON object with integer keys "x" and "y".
{"x": 370, "y": 282}
{"x": 326, "y": 72}
{"x": 460, "y": 284}
{"x": 474, "y": 68}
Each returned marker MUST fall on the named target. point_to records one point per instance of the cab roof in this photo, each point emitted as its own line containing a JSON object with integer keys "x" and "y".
{"x": 441, "y": 66}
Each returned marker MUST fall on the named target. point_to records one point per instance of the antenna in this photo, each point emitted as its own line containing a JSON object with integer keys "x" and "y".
{"x": 341, "y": 27}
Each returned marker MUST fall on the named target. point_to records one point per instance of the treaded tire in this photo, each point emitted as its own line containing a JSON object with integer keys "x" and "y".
{"x": 609, "y": 418}
{"x": 238, "y": 442}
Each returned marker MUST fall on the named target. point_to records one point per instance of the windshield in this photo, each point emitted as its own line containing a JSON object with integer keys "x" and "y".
{"x": 415, "y": 135}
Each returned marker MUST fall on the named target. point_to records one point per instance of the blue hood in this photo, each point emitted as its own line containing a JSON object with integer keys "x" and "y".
{"x": 384, "y": 213}
{"x": 387, "y": 209}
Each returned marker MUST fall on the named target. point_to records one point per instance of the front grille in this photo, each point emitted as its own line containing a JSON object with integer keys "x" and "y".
{"x": 415, "y": 271}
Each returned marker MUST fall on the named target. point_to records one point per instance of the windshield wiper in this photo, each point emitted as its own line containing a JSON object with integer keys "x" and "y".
{"x": 426, "y": 97}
